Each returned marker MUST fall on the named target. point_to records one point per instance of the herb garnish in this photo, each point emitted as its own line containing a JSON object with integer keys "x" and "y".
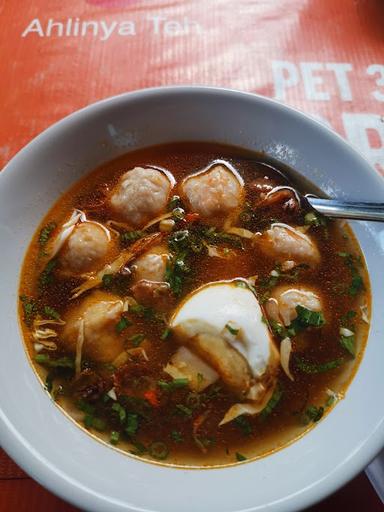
{"x": 137, "y": 339}
{"x": 176, "y": 436}
{"x": 140, "y": 449}
{"x": 309, "y": 318}
{"x": 50, "y": 312}
{"x": 132, "y": 424}
{"x": 117, "y": 283}
{"x": 242, "y": 423}
{"x": 122, "y": 324}
{"x": 114, "y": 437}
{"x": 30, "y": 308}
{"x": 61, "y": 362}
{"x": 176, "y": 271}
{"x": 213, "y": 236}
{"x": 348, "y": 343}
{"x": 158, "y": 450}
{"x": 307, "y": 367}
{"x": 305, "y": 318}
{"x": 240, "y": 457}
{"x": 272, "y": 403}
{"x": 313, "y": 413}
{"x": 127, "y": 237}
{"x": 314, "y": 219}
{"x": 96, "y": 423}
{"x": 174, "y": 384}
{"x": 347, "y": 317}
{"x": 166, "y": 333}
{"x": 120, "y": 410}
{"x": 46, "y": 276}
{"x": 45, "y": 234}
{"x": 357, "y": 283}
{"x": 279, "y": 329}
{"x": 232, "y": 330}
{"x": 183, "y": 410}
{"x": 175, "y": 202}
{"x": 145, "y": 311}
{"x": 178, "y": 213}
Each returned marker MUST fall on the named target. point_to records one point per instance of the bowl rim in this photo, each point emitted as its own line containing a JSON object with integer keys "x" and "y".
{"x": 63, "y": 485}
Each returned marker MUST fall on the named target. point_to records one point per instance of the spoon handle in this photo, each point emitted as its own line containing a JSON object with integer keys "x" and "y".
{"x": 348, "y": 209}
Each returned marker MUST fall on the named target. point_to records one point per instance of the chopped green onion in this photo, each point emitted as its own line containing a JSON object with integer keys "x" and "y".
{"x": 51, "y": 313}
{"x": 348, "y": 343}
{"x": 174, "y": 384}
{"x": 166, "y": 333}
{"x": 88, "y": 420}
{"x": 30, "y": 308}
{"x": 85, "y": 407}
{"x": 114, "y": 437}
{"x": 158, "y": 450}
{"x": 45, "y": 233}
{"x": 122, "y": 324}
{"x": 92, "y": 422}
{"x": 137, "y": 339}
{"x": 61, "y": 362}
{"x": 107, "y": 280}
{"x": 232, "y": 330}
{"x": 130, "y": 236}
{"x": 278, "y": 329}
{"x": 200, "y": 380}
{"x": 243, "y": 424}
{"x": 132, "y": 424}
{"x": 220, "y": 237}
{"x": 272, "y": 403}
{"x": 330, "y": 401}
{"x": 178, "y": 213}
{"x": 136, "y": 308}
{"x": 348, "y": 316}
{"x": 357, "y": 284}
{"x": 145, "y": 311}
{"x": 313, "y": 413}
{"x": 314, "y": 219}
{"x": 309, "y": 318}
{"x": 116, "y": 407}
{"x": 46, "y": 276}
{"x": 307, "y": 367}
{"x": 193, "y": 400}
{"x": 240, "y": 457}
{"x": 182, "y": 409}
{"x": 49, "y": 382}
{"x": 98, "y": 424}
{"x": 175, "y": 202}
{"x": 140, "y": 448}
{"x": 176, "y": 436}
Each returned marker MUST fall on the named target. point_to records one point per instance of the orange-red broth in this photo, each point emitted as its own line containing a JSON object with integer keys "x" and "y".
{"x": 158, "y": 419}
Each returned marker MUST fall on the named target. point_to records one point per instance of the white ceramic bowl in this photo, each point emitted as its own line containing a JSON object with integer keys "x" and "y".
{"x": 58, "y": 454}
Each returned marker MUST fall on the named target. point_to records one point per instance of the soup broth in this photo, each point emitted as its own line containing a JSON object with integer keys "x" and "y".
{"x": 185, "y": 305}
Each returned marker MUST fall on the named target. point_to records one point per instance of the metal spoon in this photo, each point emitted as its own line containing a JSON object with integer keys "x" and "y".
{"x": 348, "y": 209}
{"x": 335, "y": 208}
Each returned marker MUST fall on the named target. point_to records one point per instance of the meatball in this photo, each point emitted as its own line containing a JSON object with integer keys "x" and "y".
{"x": 86, "y": 247}
{"x": 100, "y": 312}
{"x": 283, "y": 242}
{"x": 215, "y": 194}
{"x": 140, "y": 195}
{"x": 151, "y": 265}
{"x": 282, "y": 304}
{"x": 149, "y": 286}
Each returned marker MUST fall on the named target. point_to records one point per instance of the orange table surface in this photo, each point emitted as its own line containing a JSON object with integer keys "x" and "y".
{"x": 324, "y": 57}
{"x": 20, "y": 493}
